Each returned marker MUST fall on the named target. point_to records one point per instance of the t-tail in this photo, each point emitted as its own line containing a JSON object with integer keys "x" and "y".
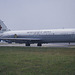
{"x": 3, "y": 27}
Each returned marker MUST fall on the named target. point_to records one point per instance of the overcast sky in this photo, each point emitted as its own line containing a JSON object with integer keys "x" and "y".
{"x": 37, "y": 14}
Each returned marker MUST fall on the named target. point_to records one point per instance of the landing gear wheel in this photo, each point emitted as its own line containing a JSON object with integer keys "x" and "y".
{"x": 39, "y": 44}
{"x": 27, "y": 44}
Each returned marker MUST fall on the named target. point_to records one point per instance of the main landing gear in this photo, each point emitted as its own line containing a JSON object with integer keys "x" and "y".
{"x": 39, "y": 44}
{"x": 27, "y": 44}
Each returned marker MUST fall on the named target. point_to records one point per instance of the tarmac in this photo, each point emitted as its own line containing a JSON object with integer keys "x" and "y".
{"x": 43, "y": 45}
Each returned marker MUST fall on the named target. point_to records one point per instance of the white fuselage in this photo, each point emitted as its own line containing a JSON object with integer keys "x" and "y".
{"x": 41, "y": 32}
{"x": 40, "y": 36}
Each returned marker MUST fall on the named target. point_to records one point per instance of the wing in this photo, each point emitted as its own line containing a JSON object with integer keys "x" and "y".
{"x": 21, "y": 39}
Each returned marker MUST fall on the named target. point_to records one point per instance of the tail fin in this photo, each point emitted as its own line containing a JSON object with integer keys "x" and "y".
{"x": 3, "y": 27}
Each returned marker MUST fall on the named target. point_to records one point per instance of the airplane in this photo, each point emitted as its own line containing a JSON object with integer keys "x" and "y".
{"x": 36, "y": 36}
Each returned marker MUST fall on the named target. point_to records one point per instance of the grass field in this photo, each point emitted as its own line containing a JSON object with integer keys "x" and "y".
{"x": 37, "y": 61}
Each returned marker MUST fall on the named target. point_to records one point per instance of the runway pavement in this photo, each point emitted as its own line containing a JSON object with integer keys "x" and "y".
{"x": 43, "y": 45}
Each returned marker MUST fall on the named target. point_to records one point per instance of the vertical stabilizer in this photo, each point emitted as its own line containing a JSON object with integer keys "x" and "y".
{"x": 3, "y": 27}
